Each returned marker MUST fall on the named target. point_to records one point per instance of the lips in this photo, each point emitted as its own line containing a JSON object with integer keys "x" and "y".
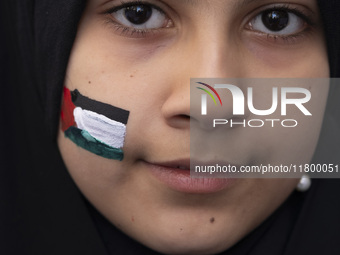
{"x": 176, "y": 176}
{"x": 183, "y": 164}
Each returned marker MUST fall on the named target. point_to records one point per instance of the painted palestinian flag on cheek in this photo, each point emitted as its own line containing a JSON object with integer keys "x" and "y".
{"x": 95, "y": 126}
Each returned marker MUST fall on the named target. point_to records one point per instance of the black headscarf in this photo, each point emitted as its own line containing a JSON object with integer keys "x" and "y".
{"x": 42, "y": 211}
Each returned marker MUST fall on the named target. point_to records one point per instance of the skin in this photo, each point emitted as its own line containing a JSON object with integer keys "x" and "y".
{"x": 149, "y": 76}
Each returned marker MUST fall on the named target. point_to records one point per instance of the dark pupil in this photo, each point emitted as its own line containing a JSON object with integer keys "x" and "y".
{"x": 275, "y": 20}
{"x": 138, "y": 14}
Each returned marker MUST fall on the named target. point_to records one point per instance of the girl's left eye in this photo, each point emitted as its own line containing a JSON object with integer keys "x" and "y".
{"x": 277, "y": 22}
{"x": 140, "y": 16}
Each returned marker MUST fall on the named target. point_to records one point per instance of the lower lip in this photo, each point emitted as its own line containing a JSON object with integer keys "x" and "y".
{"x": 180, "y": 180}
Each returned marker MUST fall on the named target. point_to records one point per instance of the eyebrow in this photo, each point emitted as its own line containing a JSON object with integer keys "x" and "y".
{"x": 244, "y": 3}
{"x": 239, "y": 3}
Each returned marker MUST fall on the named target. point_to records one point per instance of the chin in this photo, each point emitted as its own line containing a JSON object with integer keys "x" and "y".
{"x": 189, "y": 241}
{"x": 191, "y": 245}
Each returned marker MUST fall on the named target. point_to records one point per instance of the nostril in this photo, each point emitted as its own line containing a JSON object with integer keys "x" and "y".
{"x": 184, "y": 117}
{"x": 179, "y": 121}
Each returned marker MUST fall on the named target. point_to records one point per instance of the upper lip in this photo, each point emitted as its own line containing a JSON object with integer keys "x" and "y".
{"x": 181, "y": 164}
{"x": 186, "y": 163}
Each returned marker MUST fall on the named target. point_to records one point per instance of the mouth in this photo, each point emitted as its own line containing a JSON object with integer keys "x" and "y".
{"x": 176, "y": 176}
{"x": 183, "y": 164}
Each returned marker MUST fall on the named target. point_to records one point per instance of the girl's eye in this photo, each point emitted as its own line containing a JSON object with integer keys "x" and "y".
{"x": 277, "y": 22}
{"x": 140, "y": 16}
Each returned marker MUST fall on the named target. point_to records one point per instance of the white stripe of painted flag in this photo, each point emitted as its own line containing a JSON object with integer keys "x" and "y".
{"x": 100, "y": 127}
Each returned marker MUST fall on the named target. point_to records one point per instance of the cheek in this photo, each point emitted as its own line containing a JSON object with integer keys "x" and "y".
{"x": 114, "y": 73}
{"x": 307, "y": 60}
{"x": 294, "y": 145}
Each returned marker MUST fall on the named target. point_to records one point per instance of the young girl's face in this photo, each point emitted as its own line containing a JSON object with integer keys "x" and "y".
{"x": 140, "y": 56}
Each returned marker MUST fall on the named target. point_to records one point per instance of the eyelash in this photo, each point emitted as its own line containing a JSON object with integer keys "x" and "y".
{"x": 289, "y": 39}
{"x": 129, "y": 31}
{"x": 143, "y": 33}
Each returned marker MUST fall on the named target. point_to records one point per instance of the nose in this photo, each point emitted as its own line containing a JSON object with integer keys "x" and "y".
{"x": 200, "y": 57}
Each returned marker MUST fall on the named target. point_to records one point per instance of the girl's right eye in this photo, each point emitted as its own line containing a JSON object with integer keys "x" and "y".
{"x": 140, "y": 17}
